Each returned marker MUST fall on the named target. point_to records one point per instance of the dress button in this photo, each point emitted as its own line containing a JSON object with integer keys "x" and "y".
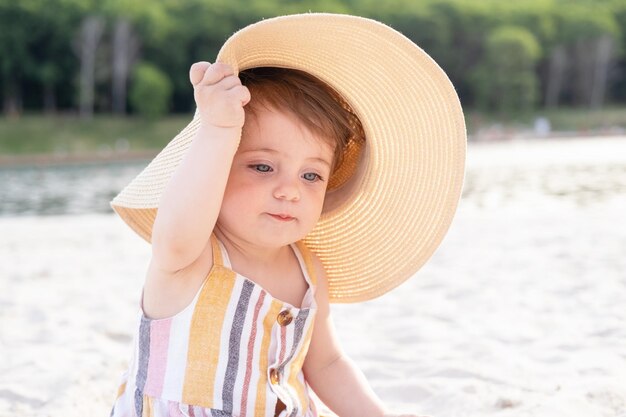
{"x": 274, "y": 376}
{"x": 284, "y": 318}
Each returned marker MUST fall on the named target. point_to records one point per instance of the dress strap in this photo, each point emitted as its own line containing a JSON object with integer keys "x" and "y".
{"x": 220, "y": 256}
{"x": 305, "y": 257}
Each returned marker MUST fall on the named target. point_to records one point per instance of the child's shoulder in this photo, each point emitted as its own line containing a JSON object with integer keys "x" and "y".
{"x": 310, "y": 257}
{"x": 321, "y": 279}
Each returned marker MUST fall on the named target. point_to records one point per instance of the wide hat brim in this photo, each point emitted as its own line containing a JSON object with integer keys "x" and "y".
{"x": 380, "y": 227}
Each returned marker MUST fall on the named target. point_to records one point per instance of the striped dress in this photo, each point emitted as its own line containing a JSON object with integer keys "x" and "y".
{"x": 234, "y": 351}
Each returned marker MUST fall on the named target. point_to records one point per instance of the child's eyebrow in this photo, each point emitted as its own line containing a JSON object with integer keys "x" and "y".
{"x": 274, "y": 151}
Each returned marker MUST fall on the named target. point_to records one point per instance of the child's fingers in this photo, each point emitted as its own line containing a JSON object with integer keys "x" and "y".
{"x": 229, "y": 82}
{"x": 240, "y": 93}
{"x": 197, "y": 70}
{"x": 232, "y": 84}
{"x": 216, "y": 73}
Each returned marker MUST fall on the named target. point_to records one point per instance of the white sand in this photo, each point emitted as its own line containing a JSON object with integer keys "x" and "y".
{"x": 519, "y": 313}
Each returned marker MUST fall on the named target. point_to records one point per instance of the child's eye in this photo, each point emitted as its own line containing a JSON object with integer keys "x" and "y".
{"x": 312, "y": 176}
{"x": 261, "y": 167}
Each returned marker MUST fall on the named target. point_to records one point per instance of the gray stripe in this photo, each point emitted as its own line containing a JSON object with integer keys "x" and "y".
{"x": 144, "y": 353}
{"x": 138, "y": 402}
{"x": 299, "y": 322}
{"x": 142, "y": 367}
{"x": 233, "y": 346}
{"x": 220, "y": 413}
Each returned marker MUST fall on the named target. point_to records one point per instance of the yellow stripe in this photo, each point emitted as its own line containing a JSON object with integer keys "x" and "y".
{"x": 217, "y": 252}
{"x": 308, "y": 261}
{"x": 121, "y": 390}
{"x": 268, "y": 323}
{"x": 205, "y": 337}
{"x": 296, "y": 367}
{"x": 147, "y": 410}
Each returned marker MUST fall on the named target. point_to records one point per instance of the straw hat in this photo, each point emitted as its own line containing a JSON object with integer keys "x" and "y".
{"x": 382, "y": 224}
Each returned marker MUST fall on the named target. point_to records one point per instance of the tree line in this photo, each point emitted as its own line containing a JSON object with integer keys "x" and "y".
{"x": 121, "y": 56}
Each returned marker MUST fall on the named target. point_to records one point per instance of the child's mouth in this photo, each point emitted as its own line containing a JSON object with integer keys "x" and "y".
{"x": 282, "y": 217}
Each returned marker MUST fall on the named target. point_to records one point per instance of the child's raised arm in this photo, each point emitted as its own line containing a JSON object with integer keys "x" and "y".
{"x": 191, "y": 201}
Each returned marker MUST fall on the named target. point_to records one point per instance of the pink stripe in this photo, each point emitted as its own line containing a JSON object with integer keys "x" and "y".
{"x": 246, "y": 382}
{"x": 283, "y": 342}
{"x": 159, "y": 341}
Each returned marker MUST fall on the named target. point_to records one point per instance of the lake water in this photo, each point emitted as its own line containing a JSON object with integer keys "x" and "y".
{"x": 586, "y": 172}
{"x": 70, "y": 189}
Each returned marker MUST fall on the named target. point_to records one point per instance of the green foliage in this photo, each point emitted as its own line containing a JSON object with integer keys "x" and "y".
{"x": 37, "y": 40}
{"x": 36, "y": 134}
{"x": 519, "y": 46}
{"x": 577, "y": 22}
{"x": 150, "y": 92}
{"x": 506, "y": 80}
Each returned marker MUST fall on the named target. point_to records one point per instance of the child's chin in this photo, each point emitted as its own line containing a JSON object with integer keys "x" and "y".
{"x": 276, "y": 240}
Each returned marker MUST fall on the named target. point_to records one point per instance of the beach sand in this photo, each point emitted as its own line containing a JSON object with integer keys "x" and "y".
{"x": 520, "y": 312}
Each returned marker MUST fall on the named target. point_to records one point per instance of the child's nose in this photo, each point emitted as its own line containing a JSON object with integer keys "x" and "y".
{"x": 287, "y": 189}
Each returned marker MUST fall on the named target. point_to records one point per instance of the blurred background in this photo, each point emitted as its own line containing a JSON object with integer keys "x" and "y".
{"x": 518, "y": 313}
{"x": 81, "y": 76}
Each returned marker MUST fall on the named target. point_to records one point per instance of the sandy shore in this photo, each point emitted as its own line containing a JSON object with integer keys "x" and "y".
{"x": 519, "y": 313}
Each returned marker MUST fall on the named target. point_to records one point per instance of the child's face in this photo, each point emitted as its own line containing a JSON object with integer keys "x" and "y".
{"x": 280, "y": 168}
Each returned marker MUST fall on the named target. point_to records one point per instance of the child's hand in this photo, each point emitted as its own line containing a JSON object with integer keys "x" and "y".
{"x": 219, "y": 95}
